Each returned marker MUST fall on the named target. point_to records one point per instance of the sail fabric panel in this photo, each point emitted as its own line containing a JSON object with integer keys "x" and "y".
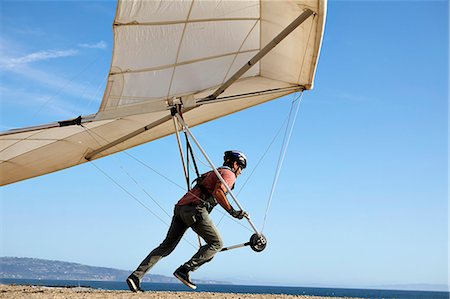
{"x": 240, "y": 60}
{"x": 23, "y": 146}
{"x": 216, "y": 39}
{"x": 141, "y": 86}
{"x": 152, "y": 11}
{"x": 40, "y": 156}
{"x": 307, "y": 70}
{"x": 167, "y": 49}
{"x": 43, "y": 151}
{"x": 21, "y": 143}
{"x": 140, "y": 51}
{"x": 6, "y": 142}
{"x": 201, "y": 75}
{"x": 293, "y": 60}
{"x": 252, "y": 41}
{"x": 224, "y": 9}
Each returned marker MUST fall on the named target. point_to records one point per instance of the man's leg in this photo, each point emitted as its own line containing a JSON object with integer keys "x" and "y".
{"x": 174, "y": 235}
{"x": 206, "y": 229}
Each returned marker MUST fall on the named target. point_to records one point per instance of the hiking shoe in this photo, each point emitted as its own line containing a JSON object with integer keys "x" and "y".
{"x": 134, "y": 284}
{"x": 183, "y": 275}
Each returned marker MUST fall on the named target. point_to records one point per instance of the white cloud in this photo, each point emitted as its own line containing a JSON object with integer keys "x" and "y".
{"x": 51, "y": 95}
{"x": 59, "y": 84}
{"x": 38, "y": 56}
{"x": 100, "y": 45}
{"x": 22, "y": 66}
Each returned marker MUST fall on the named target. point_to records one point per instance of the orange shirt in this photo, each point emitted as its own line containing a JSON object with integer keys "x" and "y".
{"x": 209, "y": 182}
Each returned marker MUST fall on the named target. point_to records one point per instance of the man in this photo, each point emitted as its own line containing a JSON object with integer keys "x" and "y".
{"x": 192, "y": 211}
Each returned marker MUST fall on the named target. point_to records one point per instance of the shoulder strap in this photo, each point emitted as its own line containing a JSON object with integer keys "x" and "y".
{"x": 229, "y": 168}
{"x": 199, "y": 181}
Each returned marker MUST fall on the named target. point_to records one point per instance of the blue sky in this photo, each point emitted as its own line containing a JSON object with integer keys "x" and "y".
{"x": 362, "y": 196}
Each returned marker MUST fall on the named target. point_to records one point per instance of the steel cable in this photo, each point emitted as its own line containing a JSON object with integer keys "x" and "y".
{"x": 283, "y": 150}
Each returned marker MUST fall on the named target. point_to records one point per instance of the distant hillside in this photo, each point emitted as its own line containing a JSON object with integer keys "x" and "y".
{"x": 31, "y": 268}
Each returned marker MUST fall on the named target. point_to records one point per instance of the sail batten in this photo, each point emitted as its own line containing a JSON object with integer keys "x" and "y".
{"x": 134, "y": 23}
{"x": 161, "y": 67}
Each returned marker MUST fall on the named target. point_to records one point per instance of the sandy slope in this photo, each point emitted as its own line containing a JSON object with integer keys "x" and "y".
{"x": 32, "y": 292}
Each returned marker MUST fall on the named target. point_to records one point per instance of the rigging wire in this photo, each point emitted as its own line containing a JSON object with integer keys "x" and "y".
{"x": 137, "y": 200}
{"x": 65, "y": 85}
{"x": 283, "y": 150}
{"x": 262, "y": 157}
{"x": 129, "y": 193}
{"x": 154, "y": 170}
{"x": 145, "y": 191}
{"x": 181, "y": 187}
{"x": 286, "y": 120}
{"x": 100, "y": 85}
{"x": 91, "y": 133}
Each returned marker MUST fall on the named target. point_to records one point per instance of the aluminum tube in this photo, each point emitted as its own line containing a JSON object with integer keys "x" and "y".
{"x": 234, "y": 246}
{"x": 126, "y": 137}
{"x": 215, "y": 171}
{"x": 164, "y": 119}
{"x": 175, "y": 123}
{"x": 84, "y": 119}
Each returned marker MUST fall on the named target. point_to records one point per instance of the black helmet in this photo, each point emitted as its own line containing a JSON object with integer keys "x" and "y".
{"x": 236, "y": 156}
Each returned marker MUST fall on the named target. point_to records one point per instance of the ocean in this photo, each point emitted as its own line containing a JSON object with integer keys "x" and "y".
{"x": 246, "y": 289}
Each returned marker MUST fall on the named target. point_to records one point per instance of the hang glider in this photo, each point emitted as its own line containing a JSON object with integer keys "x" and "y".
{"x": 210, "y": 58}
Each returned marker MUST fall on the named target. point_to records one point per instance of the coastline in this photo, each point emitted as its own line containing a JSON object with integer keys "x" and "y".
{"x": 41, "y": 292}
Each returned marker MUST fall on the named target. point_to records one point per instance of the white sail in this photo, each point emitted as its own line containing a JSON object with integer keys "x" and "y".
{"x": 168, "y": 52}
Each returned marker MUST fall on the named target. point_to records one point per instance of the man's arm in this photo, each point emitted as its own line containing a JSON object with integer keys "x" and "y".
{"x": 219, "y": 194}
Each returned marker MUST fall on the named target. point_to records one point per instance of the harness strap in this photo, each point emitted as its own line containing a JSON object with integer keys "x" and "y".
{"x": 206, "y": 196}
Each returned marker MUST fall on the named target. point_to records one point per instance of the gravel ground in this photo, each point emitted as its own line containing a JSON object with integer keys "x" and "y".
{"x": 40, "y": 292}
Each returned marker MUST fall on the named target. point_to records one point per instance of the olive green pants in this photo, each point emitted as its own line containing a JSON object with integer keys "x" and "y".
{"x": 184, "y": 217}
